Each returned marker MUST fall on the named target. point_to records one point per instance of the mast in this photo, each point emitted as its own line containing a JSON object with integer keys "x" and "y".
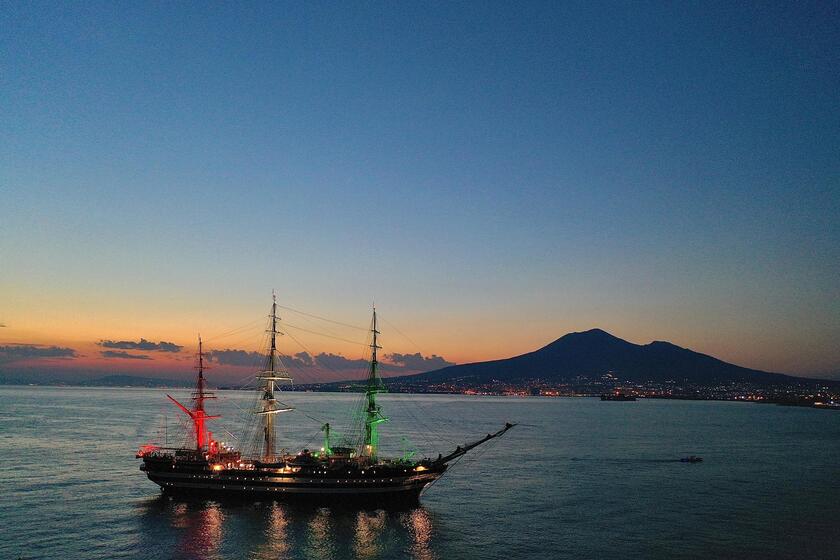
{"x": 197, "y": 413}
{"x": 271, "y": 374}
{"x": 198, "y": 400}
{"x": 373, "y": 412}
{"x": 327, "y": 449}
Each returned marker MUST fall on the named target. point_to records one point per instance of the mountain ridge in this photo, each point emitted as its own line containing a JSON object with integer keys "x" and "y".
{"x": 595, "y": 352}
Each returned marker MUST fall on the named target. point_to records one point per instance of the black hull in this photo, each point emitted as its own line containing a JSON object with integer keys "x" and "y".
{"x": 357, "y": 487}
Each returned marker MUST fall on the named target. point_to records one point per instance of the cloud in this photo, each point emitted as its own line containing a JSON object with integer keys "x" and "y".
{"x": 304, "y": 359}
{"x": 15, "y": 352}
{"x": 299, "y": 360}
{"x": 328, "y": 361}
{"x": 2, "y": 325}
{"x": 337, "y": 361}
{"x": 144, "y": 344}
{"x": 230, "y": 357}
{"x": 120, "y": 354}
{"x": 418, "y": 362}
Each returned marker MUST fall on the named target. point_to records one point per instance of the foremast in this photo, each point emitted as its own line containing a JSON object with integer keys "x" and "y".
{"x": 373, "y": 412}
{"x": 269, "y": 376}
{"x": 197, "y": 414}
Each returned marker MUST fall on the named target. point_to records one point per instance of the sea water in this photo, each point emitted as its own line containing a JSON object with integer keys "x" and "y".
{"x": 578, "y": 478}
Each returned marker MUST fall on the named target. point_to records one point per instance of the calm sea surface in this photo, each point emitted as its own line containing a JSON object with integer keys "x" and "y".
{"x": 580, "y": 479}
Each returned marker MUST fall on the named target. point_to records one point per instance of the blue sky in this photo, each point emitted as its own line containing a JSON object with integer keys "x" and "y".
{"x": 494, "y": 175}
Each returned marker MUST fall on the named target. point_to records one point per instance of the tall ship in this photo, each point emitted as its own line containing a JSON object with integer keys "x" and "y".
{"x": 353, "y": 470}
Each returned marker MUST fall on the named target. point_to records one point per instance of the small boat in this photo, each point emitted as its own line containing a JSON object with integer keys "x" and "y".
{"x": 831, "y": 405}
{"x": 618, "y": 395}
{"x": 691, "y": 459}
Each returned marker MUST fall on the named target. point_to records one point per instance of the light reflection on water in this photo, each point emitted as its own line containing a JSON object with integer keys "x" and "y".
{"x": 420, "y": 525}
{"x": 202, "y": 530}
{"x": 320, "y": 537}
{"x": 368, "y": 529}
{"x": 206, "y": 529}
{"x": 275, "y": 544}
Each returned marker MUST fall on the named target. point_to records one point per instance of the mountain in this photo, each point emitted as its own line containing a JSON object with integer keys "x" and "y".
{"x": 85, "y": 378}
{"x": 594, "y": 353}
{"x": 133, "y": 381}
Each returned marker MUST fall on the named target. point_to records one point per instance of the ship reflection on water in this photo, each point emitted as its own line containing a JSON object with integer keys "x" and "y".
{"x": 173, "y": 528}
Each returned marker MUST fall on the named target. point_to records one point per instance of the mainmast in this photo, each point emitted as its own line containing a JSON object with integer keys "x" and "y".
{"x": 373, "y": 412}
{"x": 269, "y": 376}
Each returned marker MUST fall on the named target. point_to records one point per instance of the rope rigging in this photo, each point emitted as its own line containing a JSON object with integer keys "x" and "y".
{"x": 360, "y": 431}
{"x": 324, "y": 334}
{"x": 323, "y": 318}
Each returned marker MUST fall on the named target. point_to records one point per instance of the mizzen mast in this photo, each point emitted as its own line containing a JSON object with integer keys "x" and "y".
{"x": 269, "y": 406}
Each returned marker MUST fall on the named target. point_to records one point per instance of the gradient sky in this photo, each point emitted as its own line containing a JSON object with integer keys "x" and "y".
{"x": 494, "y": 175}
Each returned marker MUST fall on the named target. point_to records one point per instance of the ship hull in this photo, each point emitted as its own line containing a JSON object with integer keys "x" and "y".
{"x": 353, "y": 486}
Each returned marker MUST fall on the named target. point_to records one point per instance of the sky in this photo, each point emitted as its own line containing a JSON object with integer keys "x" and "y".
{"x": 492, "y": 175}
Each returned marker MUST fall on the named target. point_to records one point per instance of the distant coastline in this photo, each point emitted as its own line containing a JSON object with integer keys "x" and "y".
{"x": 105, "y": 381}
{"x": 807, "y": 393}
